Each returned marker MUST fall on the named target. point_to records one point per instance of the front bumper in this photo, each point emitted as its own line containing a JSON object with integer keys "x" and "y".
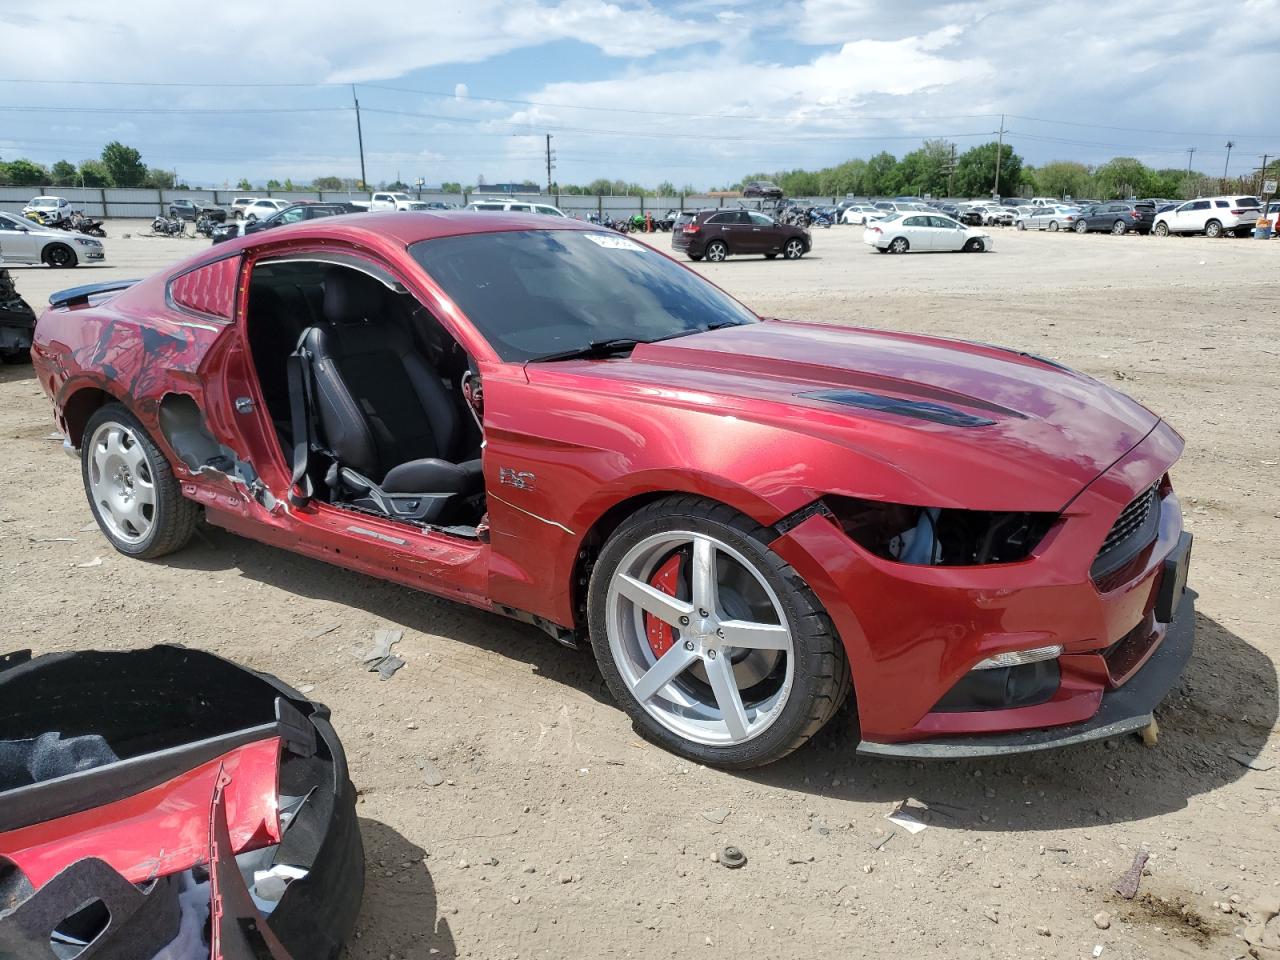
{"x": 1123, "y": 710}
{"x": 912, "y": 633}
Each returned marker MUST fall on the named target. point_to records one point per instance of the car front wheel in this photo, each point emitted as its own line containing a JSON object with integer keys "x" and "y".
{"x": 59, "y": 255}
{"x": 793, "y": 250}
{"x": 1213, "y": 229}
{"x": 132, "y": 491}
{"x": 713, "y": 645}
{"x": 1082, "y": 227}
{"x": 974, "y": 245}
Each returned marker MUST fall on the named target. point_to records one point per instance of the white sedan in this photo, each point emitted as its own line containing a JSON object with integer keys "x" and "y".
{"x": 923, "y": 233}
{"x": 22, "y": 241}
{"x": 264, "y": 207}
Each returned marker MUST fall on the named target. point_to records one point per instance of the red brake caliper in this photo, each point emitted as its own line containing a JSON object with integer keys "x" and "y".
{"x": 667, "y": 579}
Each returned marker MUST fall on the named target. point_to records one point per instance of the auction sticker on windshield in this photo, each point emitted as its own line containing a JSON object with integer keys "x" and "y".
{"x": 611, "y": 242}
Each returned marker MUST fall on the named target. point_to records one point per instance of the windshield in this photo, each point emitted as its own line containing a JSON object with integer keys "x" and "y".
{"x": 532, "y": 293}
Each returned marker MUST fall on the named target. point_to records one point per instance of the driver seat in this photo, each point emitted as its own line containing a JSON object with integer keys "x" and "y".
{"x": 384, "y": 415}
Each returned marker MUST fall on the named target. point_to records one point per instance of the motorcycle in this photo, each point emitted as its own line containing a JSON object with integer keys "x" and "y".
{"x": 168, "y": 227}
{"x": 83, "y": 224}
{"x": 204, "y": 225}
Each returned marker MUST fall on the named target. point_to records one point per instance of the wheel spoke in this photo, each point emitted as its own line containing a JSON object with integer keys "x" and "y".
{"x": 728, "y": 699}
{"x": 143, "y": 492}
{"x": 755, "y": 636}
{"x": 134, "y": 457}
{"x": 671, "y": 665}
{"x": 113, "y": 443}
{"x": 99, "y": 457}
{"x": 666, "y": 608}
{"x": 705, "y": 591}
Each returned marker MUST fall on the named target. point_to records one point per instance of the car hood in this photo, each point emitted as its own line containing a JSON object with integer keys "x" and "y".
{"x": 1012, "y": 424}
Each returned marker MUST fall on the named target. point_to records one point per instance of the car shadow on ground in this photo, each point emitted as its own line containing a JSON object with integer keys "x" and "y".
{"x": 1223, "y": 708}
{"x": 399, "y": 915}
{"x": 1215, "y": 721}
{"x": 216, "y": 550}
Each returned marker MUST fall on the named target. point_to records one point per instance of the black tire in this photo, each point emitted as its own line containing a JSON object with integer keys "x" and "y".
{"x": 1161, "y": 229}
{"x": 174, "y": 519}
{"x": 793, "y": 249}
{"x": 771, "y": 256}
{"x": 695, "y": 256}
{"x": 899, "y": 245}
{"x": 974, "y": 245}
{"x": 717, "y": 251}
{"x": 59, "y": 256}
{"x": 821, "y": 673}
{"x": 1081, "y": 227}
{"x": 1213, "y": 229}
{"x": 1119, "y": 228}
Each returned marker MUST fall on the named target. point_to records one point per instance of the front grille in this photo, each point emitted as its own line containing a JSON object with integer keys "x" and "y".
{"x": 1133, "y": 530}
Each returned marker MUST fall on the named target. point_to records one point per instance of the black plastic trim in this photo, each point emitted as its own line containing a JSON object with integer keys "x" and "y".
{"x": 916, "y": 409}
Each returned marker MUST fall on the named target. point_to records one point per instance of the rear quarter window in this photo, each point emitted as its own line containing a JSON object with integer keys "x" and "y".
{"x": 1248, "y": 202}
{"x": 208, "y": 291}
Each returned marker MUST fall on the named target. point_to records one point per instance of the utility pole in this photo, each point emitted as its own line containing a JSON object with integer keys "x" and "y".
{"x": 1228, "y": 160}
{"x": 951, "y": 171}
{"x": 359, "y": 136}
{"x": 550, "y": 156}
{"x": 995, "y": 194}
{"x": 1191, "y": 152}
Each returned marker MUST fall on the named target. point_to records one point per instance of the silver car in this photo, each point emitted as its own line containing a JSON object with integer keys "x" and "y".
{"x": 22, "y": 241}
{"x": 1051, "y": 218}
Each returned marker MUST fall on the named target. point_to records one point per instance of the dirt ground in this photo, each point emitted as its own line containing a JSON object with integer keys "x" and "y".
{"x": 560, "y": 834}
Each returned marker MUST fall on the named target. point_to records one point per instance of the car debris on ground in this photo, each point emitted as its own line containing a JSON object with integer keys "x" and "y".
{"x": 167, "y": 804}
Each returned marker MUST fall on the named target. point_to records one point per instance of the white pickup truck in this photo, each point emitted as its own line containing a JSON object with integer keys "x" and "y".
{"x": 390, "y": 201}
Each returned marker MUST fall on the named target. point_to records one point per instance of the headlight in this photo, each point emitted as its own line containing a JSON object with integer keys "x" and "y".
{"x": 932, "y": 536}
{"x": 86, "y": 242}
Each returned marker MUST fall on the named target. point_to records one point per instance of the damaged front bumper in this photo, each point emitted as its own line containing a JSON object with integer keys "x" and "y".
{"x": 168, "y": 785}
{"x": 1125, "y": 709}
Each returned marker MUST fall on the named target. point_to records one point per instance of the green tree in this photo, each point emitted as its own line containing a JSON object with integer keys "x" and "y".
{"x": 23, "y": 173}
{"x": 94, "y": 173}
{"x": 1122, "y": 177}
{"x": 883, "y": 175}
{"x": 925, "y": 170}
{"x": 63, "y": 174}
{"x": 1169, "y": 182}
{"x": 666, "y": 189}
{"x": 124, "y": 165}
{"x": 326, "y": 183}
{"x": 159, "y": 179}
{"x": 398, "y": 186}
{"x": 451, "y": 186}
{"x": 244, "y": 184}
{"x": 976, "y": 170}
{"x": 274, "y": 185}
{"x": 1062, "y": 179}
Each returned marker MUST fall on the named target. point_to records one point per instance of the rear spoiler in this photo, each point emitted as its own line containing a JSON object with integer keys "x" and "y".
{"x": 75, "y": 296}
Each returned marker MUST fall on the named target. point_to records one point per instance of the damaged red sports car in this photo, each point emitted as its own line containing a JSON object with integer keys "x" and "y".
{"x": 750, "y": 520}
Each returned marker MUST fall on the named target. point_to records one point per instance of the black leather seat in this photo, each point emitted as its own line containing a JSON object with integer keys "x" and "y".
{"x": 385, "y": 415}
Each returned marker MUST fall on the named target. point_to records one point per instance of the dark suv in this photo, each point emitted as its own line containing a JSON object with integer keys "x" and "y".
{"x": 191, "y": 209}
{"x": 1118, "y": 217}
{"x": 716, "y": 234}
{"x": 762, "y": 188}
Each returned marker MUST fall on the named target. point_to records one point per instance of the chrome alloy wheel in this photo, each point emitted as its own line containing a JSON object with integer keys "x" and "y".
{"x": 120, "y": 482}
{"x": 728, "y": 670}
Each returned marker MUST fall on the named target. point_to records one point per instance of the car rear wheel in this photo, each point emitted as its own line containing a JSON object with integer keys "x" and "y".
{"x": 974, "y": 245}
{"x": 899, "y": 245}
{"x": 1081, "y": 227}
{"x": 717, "y": 251}
{"x": 1119, "y": 228}
{"x": 1213, "y": 229}
{"x": 59, "y": 255}
{"x": 713, "y": 645}
{"x": 1053, "y": 226}
{"x": 1161, "y": 230}
{"x": 1022, "y": 225}
{"x": 794, "y": 249}
{"x": 132, "y": 491}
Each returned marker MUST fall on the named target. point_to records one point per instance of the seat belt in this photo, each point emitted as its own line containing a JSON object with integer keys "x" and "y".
{"x": 299, "y": 367}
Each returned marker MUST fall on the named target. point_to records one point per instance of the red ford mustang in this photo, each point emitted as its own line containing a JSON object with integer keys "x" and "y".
{"x": 751, "y": 521}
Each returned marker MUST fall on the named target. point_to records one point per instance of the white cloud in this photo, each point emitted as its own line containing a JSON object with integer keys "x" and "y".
{"x": 460, "y": 91}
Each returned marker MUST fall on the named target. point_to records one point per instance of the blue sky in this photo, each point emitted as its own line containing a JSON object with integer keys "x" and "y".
{"x": 699, "y": 93}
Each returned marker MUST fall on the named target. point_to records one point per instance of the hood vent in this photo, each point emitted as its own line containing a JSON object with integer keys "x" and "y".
{"x": 916, "y": 409}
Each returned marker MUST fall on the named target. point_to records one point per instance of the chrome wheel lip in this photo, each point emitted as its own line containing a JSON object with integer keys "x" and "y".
{"x": 120, "y": 482}
{"x": 672, "y": 706}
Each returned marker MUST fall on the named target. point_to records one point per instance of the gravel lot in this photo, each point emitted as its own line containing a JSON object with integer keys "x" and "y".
{"x": 559, "y": 833}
